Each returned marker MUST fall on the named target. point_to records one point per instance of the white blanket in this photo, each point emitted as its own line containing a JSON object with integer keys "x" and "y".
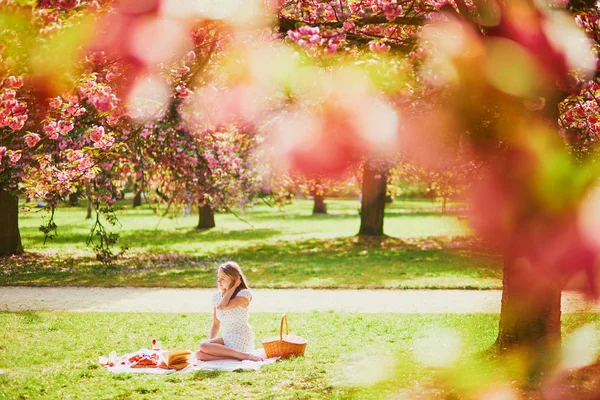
{"x": 195, "y": 365}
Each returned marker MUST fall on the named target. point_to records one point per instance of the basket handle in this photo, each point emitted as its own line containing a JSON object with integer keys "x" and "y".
{"x": 287, "y": 331}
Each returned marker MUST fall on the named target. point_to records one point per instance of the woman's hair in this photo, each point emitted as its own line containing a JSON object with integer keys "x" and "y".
{"x": 233, "y": 270}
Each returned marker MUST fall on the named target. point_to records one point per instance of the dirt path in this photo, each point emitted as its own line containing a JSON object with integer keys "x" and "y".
{"x": 265, "y": 300}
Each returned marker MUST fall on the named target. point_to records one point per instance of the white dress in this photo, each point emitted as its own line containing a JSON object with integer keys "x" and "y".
{"x": 237, "y": 333}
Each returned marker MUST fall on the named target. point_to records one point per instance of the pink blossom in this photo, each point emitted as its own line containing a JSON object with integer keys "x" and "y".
{"x": 103, "y": 103}
{"x": 32, "y": 139}
{"x": 55, "y": 102}
{"x": 14, "y": 156}
{"x": 85, "y": 164}
{"x": 51, "y": 130}
{"x": 9, "y": 94}
{"x": 183, "y": 91}
{"x": 294, "y": 35}
{"x": 105, "y": 143}
{"x": 65, "y": 127}
{"x": 308, "y": 30}
{"x": 348, "y": 25}
{"x": 62, "y": 177}
{"x": 14, "y": 82}
{"x": 68, "y": 4}
{"x": 2, "y": 152}
{"x": 19, "y": 109}
{"x": 190, "y": 57}
{"x": 16, "y": 123}
{"x": 96, "y": 133}
{"x": 145, "y": 134}
{"x": 10, "y": 103}
{"x": 379, "y": 47}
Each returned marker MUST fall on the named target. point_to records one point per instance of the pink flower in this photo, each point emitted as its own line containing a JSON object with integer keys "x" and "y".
{"x": 308, "y": 30}
{"x": 348, "y": 25}
{"x": 51, "y": 130}
{"x": 96, "y": 133}
{"x": 62, "y": 177}
{"x": 103, "y": 103}
{"x": 68, "y": 4}
{"x": 14, "y": 82}
{"x": 14, "y": 156}
{"x": 19, "y": 109}
{"x": 65, "y": 127}
{"x": 379, "y": 47}
{"x": 9, "y": 94}
{"x": 32, "y": 139}
{"x": 17, "y": 123}
{"x": 85, "y": 164}
{"x": 2, "y": 152}
{"x": 55, "y": 102}
{"x": 294, "y": 35}
{"x": 105, "y": 142}
{"x": 145, "y": 134}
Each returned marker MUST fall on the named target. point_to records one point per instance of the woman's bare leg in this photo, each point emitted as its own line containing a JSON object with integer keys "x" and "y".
{"x": 216, "y": 347}
{"x": 200, "y": 356}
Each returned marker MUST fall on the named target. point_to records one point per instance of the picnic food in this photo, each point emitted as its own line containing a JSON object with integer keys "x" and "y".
{"x": 143, "y": 360}
{"x": 176, "y": 359}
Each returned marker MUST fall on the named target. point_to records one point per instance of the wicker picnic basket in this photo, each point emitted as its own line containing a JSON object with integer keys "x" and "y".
{"x": 284, "y": 346}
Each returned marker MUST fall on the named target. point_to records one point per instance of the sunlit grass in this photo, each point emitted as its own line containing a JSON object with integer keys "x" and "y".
{"x": 276, "y": 248}
{"x": 54, "y": 355}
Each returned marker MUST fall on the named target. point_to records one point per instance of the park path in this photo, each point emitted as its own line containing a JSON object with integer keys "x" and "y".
{"x": 265, "y": 300}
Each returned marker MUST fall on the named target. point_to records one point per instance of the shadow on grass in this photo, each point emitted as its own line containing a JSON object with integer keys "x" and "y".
{"x": 161, "y": 238}
{"x": 186, "y": 235}
{"x": 347, "y": 262}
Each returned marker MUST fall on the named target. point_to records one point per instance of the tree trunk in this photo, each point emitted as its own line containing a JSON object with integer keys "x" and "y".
{"x": 89, "y": 207}
{"x": 73, "y": 199}
{"x": 137, "y": 200}
{"x": 206, "y": 218}
{"x": 10, "y": 237}
{"x": 530, "y": 314}
{"x": 319, "y": 206}
{"x": 374, "y": 188}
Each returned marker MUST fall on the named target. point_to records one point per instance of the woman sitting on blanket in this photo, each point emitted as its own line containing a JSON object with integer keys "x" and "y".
{"x": 230, "y": 314}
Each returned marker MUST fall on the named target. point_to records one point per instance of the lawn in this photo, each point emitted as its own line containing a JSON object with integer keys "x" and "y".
{"x": 278, "y": 248}
{"x": 54, "y": 355}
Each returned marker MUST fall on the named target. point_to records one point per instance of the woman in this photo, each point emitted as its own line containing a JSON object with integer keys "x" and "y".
{"x": 230, "y": 314}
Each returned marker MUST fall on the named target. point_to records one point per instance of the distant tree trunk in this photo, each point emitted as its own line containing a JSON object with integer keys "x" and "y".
{"x": 137, "y": 200}
{"x": 89, "y": 207}
{"x": 374, "y": 188}
{"x": 73, "y": 199}
{"x": 530, "y": 314}
{"x": 88, "y": 196}
{"x": 10, "y": 237}
{"x": 206, "y": 217}
{"x": 319, "y": 206}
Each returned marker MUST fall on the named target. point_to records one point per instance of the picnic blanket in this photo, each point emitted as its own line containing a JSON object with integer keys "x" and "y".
{"x": 195, "y": 365}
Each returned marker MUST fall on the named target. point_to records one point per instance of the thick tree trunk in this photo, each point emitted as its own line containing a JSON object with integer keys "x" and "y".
{"x": 10, "y": 237}
{"x": 319, "y": 205}
{"x": 73, "y": 199}
{"x": 206, "y": 218}
{"x": 530, "y": 314}
{"x": 137, "y": 200}
{"x": 374, "y": 188}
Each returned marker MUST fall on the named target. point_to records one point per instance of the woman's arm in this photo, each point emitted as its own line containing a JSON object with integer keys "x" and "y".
{"x": 214, "y": 331}
{"x": 228, "y": 303}
{"x": 237, "y": 301}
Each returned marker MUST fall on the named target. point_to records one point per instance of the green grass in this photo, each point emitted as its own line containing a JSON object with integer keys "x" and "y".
{"x": 54, "y": 355}
{"x": 276, "y": 248}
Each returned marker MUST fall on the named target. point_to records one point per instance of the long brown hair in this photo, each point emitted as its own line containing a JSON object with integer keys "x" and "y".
{"x": 233, "y": 270}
